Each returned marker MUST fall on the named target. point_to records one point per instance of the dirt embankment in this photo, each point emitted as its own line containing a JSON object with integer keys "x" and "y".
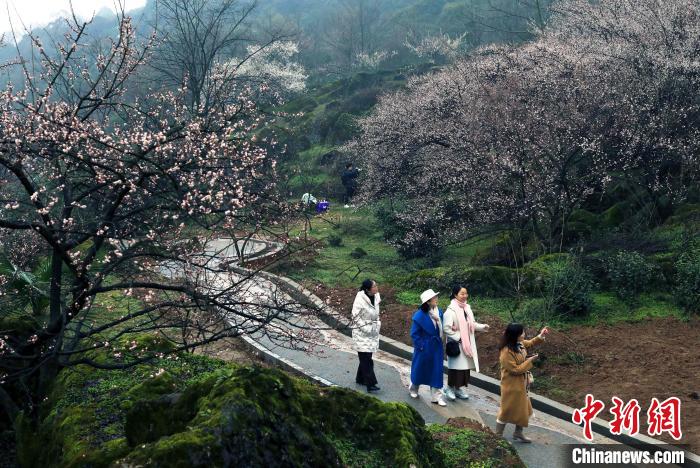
{"x": 656, "y": 358}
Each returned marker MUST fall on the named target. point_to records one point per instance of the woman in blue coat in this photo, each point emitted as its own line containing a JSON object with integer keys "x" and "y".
{"x": 426, "y": 332}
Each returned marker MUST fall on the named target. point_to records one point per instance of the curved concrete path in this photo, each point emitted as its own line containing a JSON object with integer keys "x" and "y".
{"x": 327, "y": 353}
{"x": 331, "y": 357}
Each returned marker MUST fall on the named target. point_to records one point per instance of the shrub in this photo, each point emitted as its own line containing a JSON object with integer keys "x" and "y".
{"x": 629, "y": 273}
{"x": 411, "y": 240}
{"x": 359, "y": 252}
{"x": 344, "y": 128}
{"x": 535, "y": 311}
{"x": 688, "y": 281}
{"x": 335, "y": 240}
{"x": 467, "y": 443}
{"x": 429, "y": 278}
{"x": 569, "y": 287}
{"x": 484, "y": 280}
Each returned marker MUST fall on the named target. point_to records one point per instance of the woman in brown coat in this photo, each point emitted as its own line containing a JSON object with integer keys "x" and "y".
{"x": 515, "y": 379}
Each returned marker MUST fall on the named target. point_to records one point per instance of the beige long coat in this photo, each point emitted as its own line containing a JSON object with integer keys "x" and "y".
{"x": 515, "y": 404}
{"x": 461, "y": 362}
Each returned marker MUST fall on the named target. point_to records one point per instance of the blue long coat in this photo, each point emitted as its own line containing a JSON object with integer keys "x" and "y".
{"x": 426, "y": 366}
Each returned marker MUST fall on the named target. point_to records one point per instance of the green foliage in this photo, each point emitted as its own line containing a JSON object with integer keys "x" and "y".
{"x": 569, "y": 287}
{"x": 358, "y": 253}
{"x": 686, "y": 213}
{"x": 352, "y": 456}
{"x": 82, "y": 422}
{"x": 334, "y": 266}
{"x": 484, "y": 280}
{"x": 303, "y": 103}
{"x": 581, "y": 225}
{"x": 429, "y": 278}
{"x": 481, "y": 280}
{"x": 344, "y": 128}
{"x": 472, "y": 446}
{"x": 688, "y": 280}
{"x": 26, "y": 288}
{"x": 201, "y": 412}
{"x": 630, "y": 273}
{"x": 335, "y": 240}
{"x": 615, "y": 215}
{"x": 572, "y": 358}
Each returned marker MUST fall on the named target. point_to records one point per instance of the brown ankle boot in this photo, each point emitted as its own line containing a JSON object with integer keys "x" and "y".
{"x": 499, "y": 428}
{"x": 518, "y": 435}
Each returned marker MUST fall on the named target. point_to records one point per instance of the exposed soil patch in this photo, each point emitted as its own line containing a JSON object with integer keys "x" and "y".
{"x": 656, "y": 358}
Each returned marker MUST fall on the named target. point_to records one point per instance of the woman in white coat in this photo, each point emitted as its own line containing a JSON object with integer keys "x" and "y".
{"x": 459, "y": 325}
{"x": 365, "y": 332}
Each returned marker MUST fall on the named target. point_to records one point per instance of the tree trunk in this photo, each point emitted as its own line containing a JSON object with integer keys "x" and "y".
{"x": 8, "y": 405}
{"x": 50, "y": 367}
{"x": 55, "y": 290}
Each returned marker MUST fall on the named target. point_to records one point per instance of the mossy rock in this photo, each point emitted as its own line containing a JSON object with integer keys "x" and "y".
{"x": 149, "y": 342}
{"x": 233, "y": 416}
{"x": 263, "y": 417}
{"x": 156, "y": 387}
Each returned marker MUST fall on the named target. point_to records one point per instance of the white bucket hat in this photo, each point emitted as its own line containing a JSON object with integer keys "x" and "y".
{"x": 427, "y": 295}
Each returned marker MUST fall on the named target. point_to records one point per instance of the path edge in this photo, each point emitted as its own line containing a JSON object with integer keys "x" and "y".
{"x": 276, "y": 360}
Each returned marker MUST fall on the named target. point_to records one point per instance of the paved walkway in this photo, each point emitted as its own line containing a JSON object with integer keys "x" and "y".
{"x": 332, "y": 358}
{"x": 328, "y": 354}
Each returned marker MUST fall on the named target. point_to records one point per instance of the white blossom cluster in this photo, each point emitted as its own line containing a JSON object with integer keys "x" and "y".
{"x": 440, "y": 45}
{"x": 273, "y": 64}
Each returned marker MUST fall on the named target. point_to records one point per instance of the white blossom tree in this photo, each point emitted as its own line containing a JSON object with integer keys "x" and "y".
{"x": 123, "y": 196}
{"x": 519, "y": 137}
{"x": 273, "y": 65}
{"x": 438, "y": 47}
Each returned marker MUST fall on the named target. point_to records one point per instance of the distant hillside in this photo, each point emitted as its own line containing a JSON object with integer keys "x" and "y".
{"x": 315, "y": 124}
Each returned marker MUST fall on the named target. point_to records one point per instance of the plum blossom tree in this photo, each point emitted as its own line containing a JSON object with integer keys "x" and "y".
{"x": 273, "y": 65}
{"x": 199, "y": 39}
{"x": 438, "y": 47}
{"x": 127, "y": 198}
{"x": 518, "y": 137}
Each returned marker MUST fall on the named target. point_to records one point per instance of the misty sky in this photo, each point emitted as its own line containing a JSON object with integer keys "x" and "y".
{"x": 37, "y": 13}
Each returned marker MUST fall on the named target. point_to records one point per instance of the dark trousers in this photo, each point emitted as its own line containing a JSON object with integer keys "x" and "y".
{"x": 365, "y": 372}
{"x": 350, "y": 192}
{"x": 458, "y": 378}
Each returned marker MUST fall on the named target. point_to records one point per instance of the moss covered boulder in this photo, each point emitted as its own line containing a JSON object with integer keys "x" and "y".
{"x": 261, "y": 417}
{"x": 196, "y": 411}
